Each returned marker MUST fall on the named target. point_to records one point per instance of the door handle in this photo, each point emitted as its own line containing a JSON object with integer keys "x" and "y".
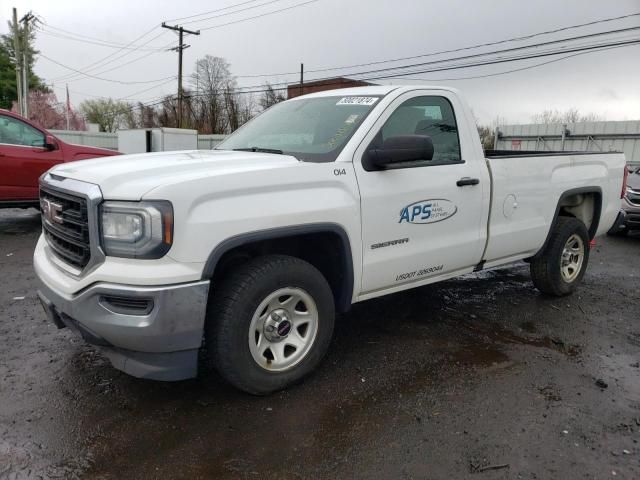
{"x": 463, "y": 182}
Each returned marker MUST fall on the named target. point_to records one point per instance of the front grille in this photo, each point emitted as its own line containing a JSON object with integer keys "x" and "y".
{"x": 633, "y": 220}
{"x": 65, "y": 224}
{"x": 633, "y": 196}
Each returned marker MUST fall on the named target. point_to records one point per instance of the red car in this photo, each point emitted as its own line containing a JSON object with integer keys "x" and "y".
{"x": 26, "y": 152}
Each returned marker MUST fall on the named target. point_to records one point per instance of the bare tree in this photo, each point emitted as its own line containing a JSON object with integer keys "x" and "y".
{"x": 247, "y": 108}
{"x": 487, "y": 136}
{"x": 130, "y": 118}
{"x": 232, "y": 103}
{"x": 488, "y": 132}
{"x": 167, "y": 112}
{"x": 270, "y": 96}
{"x": 147, "y": 116}
{"x": 210, "y": 81}
{"x": 571, "y": 115}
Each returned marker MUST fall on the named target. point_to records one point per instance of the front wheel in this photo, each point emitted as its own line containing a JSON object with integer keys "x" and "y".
{"x": 559, "y": 268}
{"x": 270, "y": 323}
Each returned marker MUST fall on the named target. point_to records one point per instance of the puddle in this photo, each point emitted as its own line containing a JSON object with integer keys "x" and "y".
{"x": 498, "y": 334}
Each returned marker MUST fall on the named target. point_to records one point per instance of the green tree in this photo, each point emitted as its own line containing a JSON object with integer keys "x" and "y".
{"x": 8, "y": 92}
{"x": 108, "y": 113}
{"x": 8, "y": 88}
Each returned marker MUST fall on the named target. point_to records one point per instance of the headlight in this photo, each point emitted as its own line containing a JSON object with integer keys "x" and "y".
{"x": 136, "y": 229}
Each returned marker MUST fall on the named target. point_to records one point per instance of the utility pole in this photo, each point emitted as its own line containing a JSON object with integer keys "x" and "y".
{"x": 67, "y": 108}
{"x": 18, "y": 59}
{"x": 181, "y": 46}
{"x": 25, "y": 63}
{"x": 302, "y": 79}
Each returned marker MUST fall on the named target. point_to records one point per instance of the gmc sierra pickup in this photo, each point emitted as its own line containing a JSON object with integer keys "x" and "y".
{"x": 245, "y": 253}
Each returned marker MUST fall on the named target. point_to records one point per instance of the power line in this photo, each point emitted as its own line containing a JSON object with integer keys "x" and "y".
{"x": 586, "y": 50}
{"x": 260, "y": 16}
{"x": 504, "y": 60}
{"x": 100, "y": 78}
{"x": 103, "y": 61}
{"x": 126, "y": 97}
{"x": 92, "y": 41}
{"x": 455, "y": 50}
{"x": 232, "y": 13}
{"x": 117, "y": 67}
{"x": 488, "y": 44}
{"x": 211, "y": 11}
{"x": 477, "y": 55}
{"x": 529, "y": 67}
{"x": 512, "y": 49}
{"x": 129, "y": 97}
{"x": 401, "y": 74}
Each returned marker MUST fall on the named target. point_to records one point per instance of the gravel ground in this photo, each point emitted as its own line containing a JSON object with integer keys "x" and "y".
{"x": 479, "y": 377}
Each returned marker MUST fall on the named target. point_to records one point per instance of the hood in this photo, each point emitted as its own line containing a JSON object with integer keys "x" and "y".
{"x": 129, "y": 177}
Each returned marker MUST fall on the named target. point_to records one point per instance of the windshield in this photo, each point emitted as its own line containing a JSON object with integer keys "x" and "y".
{"x": 311, "y": 129}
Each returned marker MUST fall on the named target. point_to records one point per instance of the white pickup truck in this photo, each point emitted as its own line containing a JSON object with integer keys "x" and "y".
{"x": 245, "y": 253}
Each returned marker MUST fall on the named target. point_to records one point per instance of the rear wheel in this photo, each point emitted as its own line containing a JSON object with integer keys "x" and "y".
{"x": 270, "y": 323}
{"x": 561, "y": 266}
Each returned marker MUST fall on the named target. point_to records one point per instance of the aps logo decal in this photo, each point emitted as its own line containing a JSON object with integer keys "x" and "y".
{"x": 428, "y": 211}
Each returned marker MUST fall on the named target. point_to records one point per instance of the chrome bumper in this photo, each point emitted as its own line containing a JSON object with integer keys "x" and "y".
{"x": 159, "y": 342}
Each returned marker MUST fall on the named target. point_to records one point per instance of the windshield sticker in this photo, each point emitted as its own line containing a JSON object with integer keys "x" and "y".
{"x": 351, "y": 118}
{"x": 338, "y": 135}
{"x": 428, "y": 211}
{"x": 357, "y": 101}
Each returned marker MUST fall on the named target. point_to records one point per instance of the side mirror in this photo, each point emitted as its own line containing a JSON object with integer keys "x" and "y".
{"x": 50, "y": 143}
{"x": 398, "y": 149}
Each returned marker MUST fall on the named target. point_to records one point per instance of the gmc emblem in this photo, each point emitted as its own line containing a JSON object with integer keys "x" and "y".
{"x": 51, "y": 211}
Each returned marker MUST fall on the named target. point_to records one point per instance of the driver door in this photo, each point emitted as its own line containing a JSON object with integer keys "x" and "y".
{"x": 23, "y": 158}
{"x": 417, "y": 222}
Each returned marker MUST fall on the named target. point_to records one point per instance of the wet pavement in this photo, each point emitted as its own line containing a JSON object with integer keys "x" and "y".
{"x": 480, "y": 377}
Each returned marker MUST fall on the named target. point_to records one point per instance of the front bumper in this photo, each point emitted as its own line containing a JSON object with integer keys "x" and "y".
{"x": 148, "y": 332}
{"x": 632, "y": 215}
{"x": 620, "y": 224}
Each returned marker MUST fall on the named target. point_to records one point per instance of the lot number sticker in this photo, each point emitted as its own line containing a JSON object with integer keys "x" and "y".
{"x": 357, "y": 101}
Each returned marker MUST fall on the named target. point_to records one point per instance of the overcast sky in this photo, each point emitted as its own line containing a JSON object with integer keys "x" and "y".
{"x": 329, "y": 33}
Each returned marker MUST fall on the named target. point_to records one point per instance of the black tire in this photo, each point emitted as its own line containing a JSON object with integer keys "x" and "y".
{"x": 232, "y": 307}
{"x": 546, "y": 266}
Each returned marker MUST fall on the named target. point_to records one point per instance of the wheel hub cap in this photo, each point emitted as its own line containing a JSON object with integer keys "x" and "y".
{"x": 572, "y": 258}
{"x": 283, "y": 329}
{"x": 277, "y": 326}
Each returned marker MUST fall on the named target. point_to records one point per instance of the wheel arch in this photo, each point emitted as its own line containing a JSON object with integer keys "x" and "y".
{"x": 566, "y": 205}
{"x": 298, "y": 241}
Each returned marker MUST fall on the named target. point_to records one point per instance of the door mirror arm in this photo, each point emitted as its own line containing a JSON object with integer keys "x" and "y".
{"x": 50, "y": 143}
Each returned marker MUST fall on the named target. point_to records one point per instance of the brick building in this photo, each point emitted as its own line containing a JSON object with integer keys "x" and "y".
{"x": 295, "y": 90}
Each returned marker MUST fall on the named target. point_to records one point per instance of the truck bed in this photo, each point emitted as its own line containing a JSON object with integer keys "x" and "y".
{"x": 527, "y": 188}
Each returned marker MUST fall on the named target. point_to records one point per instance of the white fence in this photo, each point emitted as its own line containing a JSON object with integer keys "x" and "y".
{"x": 207, "y": 142}
{"x": 92, "y": 139}
{"x": 110, "y": 140}
{"x": 621, "y": 136}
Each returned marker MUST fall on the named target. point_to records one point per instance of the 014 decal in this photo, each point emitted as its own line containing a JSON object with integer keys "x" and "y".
{"x": 428, "y": 211}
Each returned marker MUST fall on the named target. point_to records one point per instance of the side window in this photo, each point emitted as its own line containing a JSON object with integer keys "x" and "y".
{"x": 431, "y": 116}
{"x": 16, "y": 132}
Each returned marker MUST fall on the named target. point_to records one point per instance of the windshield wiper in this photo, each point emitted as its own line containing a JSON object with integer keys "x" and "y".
{"x": 258, "y": 149}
